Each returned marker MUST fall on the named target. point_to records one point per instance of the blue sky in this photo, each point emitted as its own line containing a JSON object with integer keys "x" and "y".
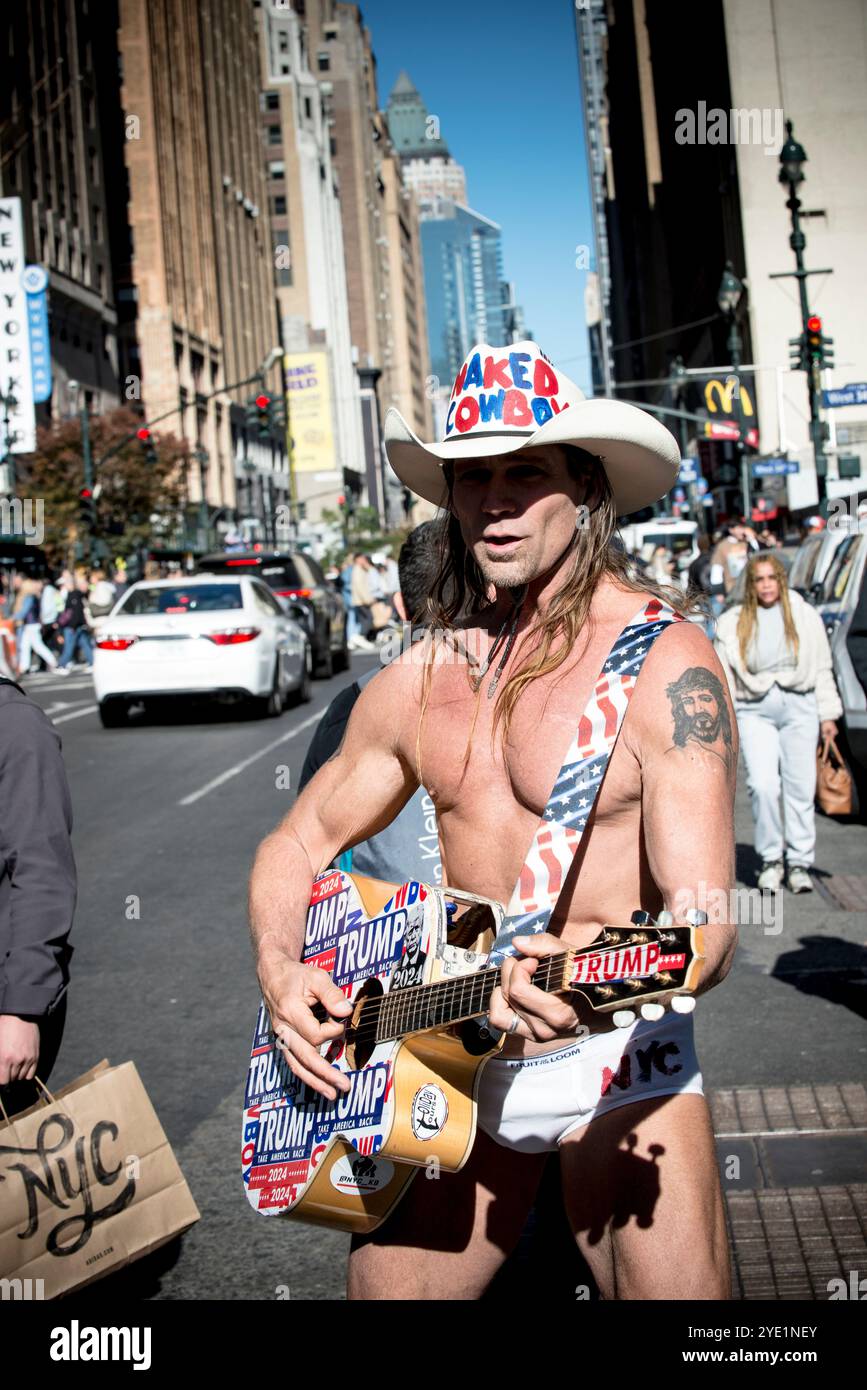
{"x": 503, "y": 78}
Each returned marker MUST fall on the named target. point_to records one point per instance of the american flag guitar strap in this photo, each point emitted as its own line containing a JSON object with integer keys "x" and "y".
{"x": 579, "y": 779}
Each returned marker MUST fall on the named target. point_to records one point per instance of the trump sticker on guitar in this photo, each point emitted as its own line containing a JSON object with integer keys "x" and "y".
{"x": 414, "y": 1046}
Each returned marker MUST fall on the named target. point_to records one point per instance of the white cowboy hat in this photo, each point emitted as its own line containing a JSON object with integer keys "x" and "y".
{"x": 512, "y": 398}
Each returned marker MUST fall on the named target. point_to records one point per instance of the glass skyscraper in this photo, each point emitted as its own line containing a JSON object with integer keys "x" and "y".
{"x": 463, "y": 281}
{"x": 468, "y": 299}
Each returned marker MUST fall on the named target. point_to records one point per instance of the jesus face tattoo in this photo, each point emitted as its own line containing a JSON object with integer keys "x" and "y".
{"x": 700, "y": 712}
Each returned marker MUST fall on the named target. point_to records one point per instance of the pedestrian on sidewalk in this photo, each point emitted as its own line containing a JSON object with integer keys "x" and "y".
{"x": 75, "y": 620}
{"x": 31, "y": 628}
{"x": 774, "y": 651}
{"x": 362, "y": 600}
{"x": 346, "y": 591}
{"x": 37, "y": 896}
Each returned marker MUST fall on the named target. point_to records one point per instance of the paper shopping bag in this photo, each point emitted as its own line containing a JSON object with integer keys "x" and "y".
{"x": 88, "y": 1183}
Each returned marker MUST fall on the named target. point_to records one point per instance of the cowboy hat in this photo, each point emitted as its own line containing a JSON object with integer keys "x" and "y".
{"x": 511, "y": 398}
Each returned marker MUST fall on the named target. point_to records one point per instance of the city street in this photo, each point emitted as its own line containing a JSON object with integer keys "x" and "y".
{"x": 167, "y": 819}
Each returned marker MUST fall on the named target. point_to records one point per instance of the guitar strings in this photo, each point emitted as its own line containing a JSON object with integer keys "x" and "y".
{"x": 409, "y": 1011}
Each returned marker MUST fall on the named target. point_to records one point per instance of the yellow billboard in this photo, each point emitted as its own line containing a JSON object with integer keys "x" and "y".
{"x": 308, "y": 396}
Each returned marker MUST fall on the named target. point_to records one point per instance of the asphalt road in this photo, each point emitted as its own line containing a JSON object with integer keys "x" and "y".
{"x": 167, "y": 819}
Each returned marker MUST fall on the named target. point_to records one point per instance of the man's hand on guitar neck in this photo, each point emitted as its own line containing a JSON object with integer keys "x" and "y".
{"x": 290, "y": 990}
{"x": 542, "y": 1017}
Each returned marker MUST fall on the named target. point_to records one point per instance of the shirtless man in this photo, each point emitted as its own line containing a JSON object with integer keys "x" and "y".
{"x": 533, "y": 512}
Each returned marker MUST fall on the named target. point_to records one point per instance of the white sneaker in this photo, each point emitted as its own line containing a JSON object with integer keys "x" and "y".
{"x": 771, "y": 876}
{"x": 799, "y": 880}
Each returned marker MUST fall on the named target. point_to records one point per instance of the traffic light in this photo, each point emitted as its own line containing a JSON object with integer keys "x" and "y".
{"x": 86, "y": 509}
{"x": 147, "y": 443}
{"x": 277, "y": 415}
{"x": 820, "y": 348}
{"x": 263, "y": 406}
{"x": 800, "y": 353}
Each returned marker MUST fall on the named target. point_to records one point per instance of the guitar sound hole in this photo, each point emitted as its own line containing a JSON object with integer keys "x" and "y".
{"x": 361, "y": 1034}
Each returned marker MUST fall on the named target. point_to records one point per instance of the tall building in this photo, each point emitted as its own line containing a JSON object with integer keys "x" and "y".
{"x": 309, "y": 264}
{"x": 808, "y": 66}
{"x": 201, "y": 267}
{"x": 428, "y": 169}
{"x": 406, "y": 363}
{"x": 58, "y": 101}
{"x": 685, "y": 170}
{"x": 463, "y": 277}
{"x": 346, "y": 67}
{"x": 467, "y": 298}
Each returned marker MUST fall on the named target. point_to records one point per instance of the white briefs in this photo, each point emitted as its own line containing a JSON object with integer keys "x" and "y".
{"x": 531, "y": 1104}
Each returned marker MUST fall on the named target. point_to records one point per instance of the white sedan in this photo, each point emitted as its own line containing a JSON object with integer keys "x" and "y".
{"x": 230, "y": 638}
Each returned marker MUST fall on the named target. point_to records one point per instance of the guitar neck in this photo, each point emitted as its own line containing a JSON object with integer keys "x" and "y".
{"x": 625, "y": 964}
{"x": 421, "y": 1007}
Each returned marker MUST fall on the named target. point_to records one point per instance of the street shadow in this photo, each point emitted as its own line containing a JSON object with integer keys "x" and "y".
{"x": 546, "y": 1256}
{"x": 134, "y": 1283}
{"x": 185, "y": 711}
{"x": 748, "y": 865}
{"x": 829, "y": 968}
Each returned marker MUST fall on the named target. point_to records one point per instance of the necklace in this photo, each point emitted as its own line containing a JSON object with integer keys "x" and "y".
{"x": 476, "y": 681}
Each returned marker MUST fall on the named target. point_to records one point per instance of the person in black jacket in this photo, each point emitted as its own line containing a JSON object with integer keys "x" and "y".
{"x": 37, "y": 896}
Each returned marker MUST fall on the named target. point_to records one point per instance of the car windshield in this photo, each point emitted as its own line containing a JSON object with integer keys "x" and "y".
{"x": 179, "y": 598}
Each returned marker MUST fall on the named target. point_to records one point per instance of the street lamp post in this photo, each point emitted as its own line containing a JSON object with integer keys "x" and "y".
{"x": 792, "y": 159}
{"x": 9, "y": 402}
{"x": 87, "y": 459}
{"x": 728, "y": 298}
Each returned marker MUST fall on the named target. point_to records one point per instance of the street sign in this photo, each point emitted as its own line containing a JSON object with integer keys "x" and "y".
{"x": 771, "y": 468}
{"x": 853, "y": 394}
{"x": 16, "y": 380}
{"x": 690, "y": 471}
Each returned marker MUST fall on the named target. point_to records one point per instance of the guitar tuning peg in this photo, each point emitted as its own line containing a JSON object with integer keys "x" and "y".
{"x": 652, "y": 1012}
{"x": 683, "y": 1003}
{"x": 640, "y": 918}
{"x": 696, "y": 918}
{"x": 665, "y": 919}
{"x": 623, "y": 1018}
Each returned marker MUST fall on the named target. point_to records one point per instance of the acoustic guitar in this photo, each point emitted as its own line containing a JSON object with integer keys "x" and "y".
{"x": 412, "y": 960}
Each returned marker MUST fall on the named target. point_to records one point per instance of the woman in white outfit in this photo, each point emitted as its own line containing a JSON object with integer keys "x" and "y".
{"x": 774, "y": 651}
{"x": 31, "y": 629}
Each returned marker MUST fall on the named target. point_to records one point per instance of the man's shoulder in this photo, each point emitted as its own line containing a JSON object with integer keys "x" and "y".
{"x": 682, "y": 655}
{"x": 21, "y": 716}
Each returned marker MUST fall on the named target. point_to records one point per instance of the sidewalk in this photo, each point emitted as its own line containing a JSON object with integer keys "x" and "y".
{"x": 793, "y": 1148}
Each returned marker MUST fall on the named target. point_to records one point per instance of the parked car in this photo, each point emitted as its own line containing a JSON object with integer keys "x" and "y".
{"x": 814, "y": 558}
{"x": 298, "y": 579}
{"x": 227, "y": 638}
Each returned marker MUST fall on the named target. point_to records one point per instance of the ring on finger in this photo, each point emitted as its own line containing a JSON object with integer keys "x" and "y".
{"x": 516, "y": 1019}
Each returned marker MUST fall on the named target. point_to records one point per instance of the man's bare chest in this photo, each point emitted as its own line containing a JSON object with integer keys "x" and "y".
{"x": 471, "y": 768}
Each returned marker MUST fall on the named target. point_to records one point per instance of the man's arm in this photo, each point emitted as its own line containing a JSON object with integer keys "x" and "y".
{"x": 682, "y": 729}
{"x": 353, "y": 796}
{"x": 36, "y": 856}
{"x": 35, "y": 845}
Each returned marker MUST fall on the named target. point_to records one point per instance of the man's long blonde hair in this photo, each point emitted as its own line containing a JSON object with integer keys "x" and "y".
{"x": 747, "y": 619}
{"x": 459, "y": 591}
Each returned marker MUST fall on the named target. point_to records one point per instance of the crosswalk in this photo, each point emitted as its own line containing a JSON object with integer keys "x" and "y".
{"x": 45, "y": 685}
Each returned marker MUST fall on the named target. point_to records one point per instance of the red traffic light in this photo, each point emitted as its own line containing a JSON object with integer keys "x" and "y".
{"x": 263, "y": 402}
{"x": 341, "y": 501}
{"x": 85, "y": 494}
{"x": 814, "y": 323}
{"x": 144, "y": 435}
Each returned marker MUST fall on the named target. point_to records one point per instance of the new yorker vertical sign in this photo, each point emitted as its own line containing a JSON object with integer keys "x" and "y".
{"x": 16, "y": 377}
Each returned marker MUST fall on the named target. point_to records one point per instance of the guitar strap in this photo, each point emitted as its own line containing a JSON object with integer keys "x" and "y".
{"x": 577, "y": 784}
